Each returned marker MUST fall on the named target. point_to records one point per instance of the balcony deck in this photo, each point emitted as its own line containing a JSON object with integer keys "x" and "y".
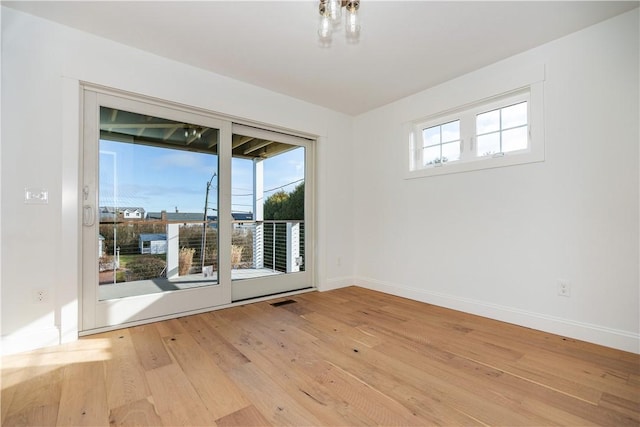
{"x": 161, "y": 284}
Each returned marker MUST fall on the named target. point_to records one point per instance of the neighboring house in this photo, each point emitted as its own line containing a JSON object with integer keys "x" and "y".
{"x": 153, "y": 243}
{"x": 110, "y": 213}
{"x": 187, "y": 218}
{"x": 132, "y": 213}
{"x": 191, "y": 216}
{"x": 238, "y": 217}
{"x": 242, "y": 216}
{"x": 107, "y": 214}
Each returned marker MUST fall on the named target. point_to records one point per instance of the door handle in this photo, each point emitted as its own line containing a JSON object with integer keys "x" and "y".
{"x": 88, "y": 216}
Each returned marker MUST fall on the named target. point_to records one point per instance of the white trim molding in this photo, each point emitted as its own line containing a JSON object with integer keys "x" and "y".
{"x": 336, "y": 283}
{"x": 609, "y": 337}
{"x": 28, "y": 340}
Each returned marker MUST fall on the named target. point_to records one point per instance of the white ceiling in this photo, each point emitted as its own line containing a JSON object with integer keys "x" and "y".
{"x": 405, "y": 46}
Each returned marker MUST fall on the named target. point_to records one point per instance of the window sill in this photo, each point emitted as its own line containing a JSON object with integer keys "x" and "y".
{"x": 479, "y": 164}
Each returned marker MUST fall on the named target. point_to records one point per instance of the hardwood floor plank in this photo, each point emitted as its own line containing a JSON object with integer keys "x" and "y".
{"x": 249, "y": 417}
{"x": 149, "y": 346}
{"x": 276, "y": 319}
{"x": 83, "y": 400}
{"x": 35, "y": 400}
{"x": 138, "y": 413}
{"x": 225, "y": 355}
{"x": 320, "y": 323}
{"x": 532, "y": 339}
{"x": 378, "y": 406}
{"x": 454, "y": 390}
{"x": 497, "y": 356}
{"x": 345, "y": 357}
{"x": 618, "y": 404}
{"x": 206, "y": 377}
{"x": 367, "y": 372}
{"x": 33, "y": 391}
{"x": 463, "y": 378}
{"x": 290, "y": 368}
{"x": 170, "y": 327}
{"x": 33, "y": 416}
{"x": 583, "y": 380}
{"x": 339, "y": 347}
{"x": 460, "y": 374}
{"x": 124, "y": 374}
{"x": 12, "y": 379}
{"x": 340, "y": 311}
{"x": 175, "y": 399}
{"x": 273, "y": 403}
{"x": 431, "y": 408}
{"x": 390, "y": 375}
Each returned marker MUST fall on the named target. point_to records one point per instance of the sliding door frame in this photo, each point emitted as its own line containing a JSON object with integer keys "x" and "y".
{"x": 249, "y": 288}
{"x": 90, "y": 321}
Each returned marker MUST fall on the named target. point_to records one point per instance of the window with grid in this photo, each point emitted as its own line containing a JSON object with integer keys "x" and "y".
{"x": 441, "y": 143}
{"x": 502, "y": 130}
{"x": 485, "y": 134}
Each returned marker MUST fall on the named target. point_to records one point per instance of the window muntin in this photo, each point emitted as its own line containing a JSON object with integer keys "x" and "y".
{"x": 441, "y": 143}
{"x": 494, "y": 132}
{"x": 502, "y": 130}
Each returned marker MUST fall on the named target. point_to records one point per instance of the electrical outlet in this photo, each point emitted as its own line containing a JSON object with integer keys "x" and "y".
{"x": 40, "y": 296}
{"x": 564, "y": 289}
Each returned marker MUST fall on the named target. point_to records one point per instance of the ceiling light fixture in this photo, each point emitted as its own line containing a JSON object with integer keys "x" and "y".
{"x": 193, "y": 132}
{"x": 331, "y": 18}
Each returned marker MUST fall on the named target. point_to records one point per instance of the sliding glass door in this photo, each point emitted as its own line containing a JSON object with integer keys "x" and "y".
{"x": 183, "y": 211}
{"x": 151, "y": 202}
{"x": 271, "y": 212}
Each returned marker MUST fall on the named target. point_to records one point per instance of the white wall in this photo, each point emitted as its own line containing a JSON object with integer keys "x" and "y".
{"x": 573, "y": 217}
{"x": 495, "y": 242}
{"x": 42, "y": 63}
{"x": 1, "y": 9}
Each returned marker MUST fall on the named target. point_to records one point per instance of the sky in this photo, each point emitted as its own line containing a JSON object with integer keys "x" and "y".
{"x": 157, "y": 179}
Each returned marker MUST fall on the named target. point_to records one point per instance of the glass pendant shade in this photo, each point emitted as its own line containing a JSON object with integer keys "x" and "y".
{"x": 324, "y": 30}
{"x": 352, "y": 24}
{"x": 334, "y": 8}
{"x": 331, "y": 19}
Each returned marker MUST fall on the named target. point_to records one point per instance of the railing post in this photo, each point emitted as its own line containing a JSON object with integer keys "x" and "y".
{"x": 258, "y": 245}
{"x": 258, "y": 213}
{"x": 273, "y": 253}
{"x": 173, "y": 249}
{"x": 293, "y": 247}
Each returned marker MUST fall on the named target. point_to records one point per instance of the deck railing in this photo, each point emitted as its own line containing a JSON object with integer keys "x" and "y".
{"x": 138, "y": 250}
{"x": 276, "y": 245}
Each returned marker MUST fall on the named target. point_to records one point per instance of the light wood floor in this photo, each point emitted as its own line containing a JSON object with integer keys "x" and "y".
{"x": 345, "y": 357}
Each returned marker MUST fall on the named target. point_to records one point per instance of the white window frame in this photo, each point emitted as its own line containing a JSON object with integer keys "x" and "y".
{"x": 469, "y": 160}
{"x": 418, "y": 144}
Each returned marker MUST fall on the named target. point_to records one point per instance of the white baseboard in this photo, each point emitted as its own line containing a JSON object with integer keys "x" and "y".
{"x": 619, "y": 339}
{"x": 336, "y": 283}
{"x": 29, "y": 340}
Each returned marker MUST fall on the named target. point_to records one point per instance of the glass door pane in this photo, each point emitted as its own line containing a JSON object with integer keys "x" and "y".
{"x": 269, "y": 239}
{"x": 150, "y": 200}
{"x": 158, "y": 199}
{"x": 157, "y": 179}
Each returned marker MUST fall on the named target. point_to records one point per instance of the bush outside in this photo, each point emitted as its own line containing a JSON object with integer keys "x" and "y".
{"x": 145, "y": 267}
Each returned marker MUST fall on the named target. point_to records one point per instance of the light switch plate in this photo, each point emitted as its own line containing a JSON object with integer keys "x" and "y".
{"x": 36, "y": 196}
